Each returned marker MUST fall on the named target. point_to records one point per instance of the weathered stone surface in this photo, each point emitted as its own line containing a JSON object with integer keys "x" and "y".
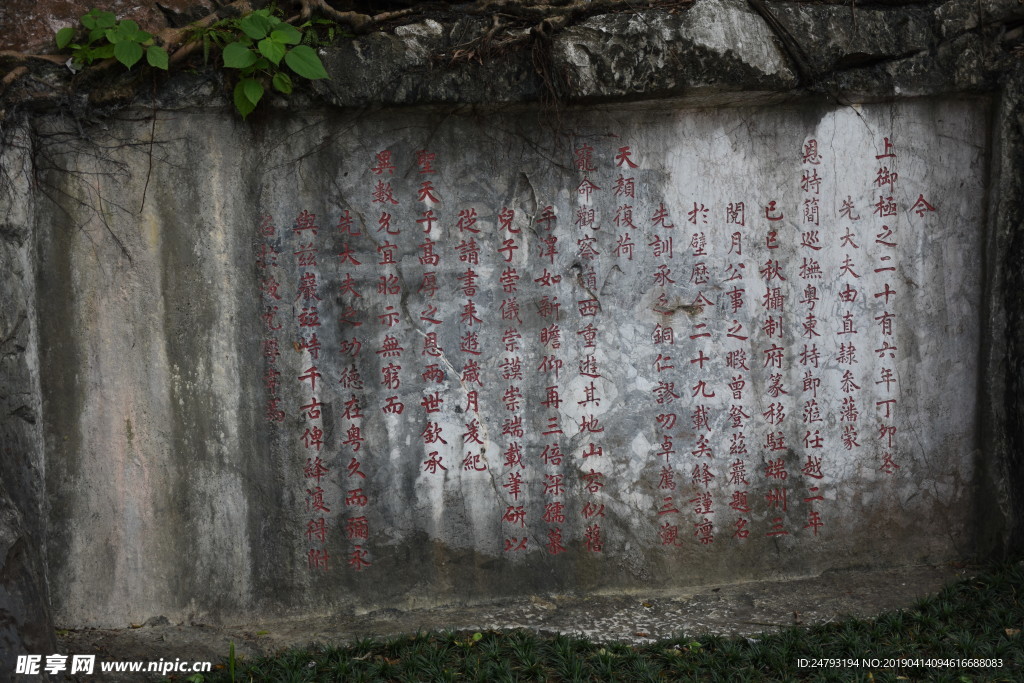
{"x": 385, "y": 69}
{"x": 161, "y": 454}
{"x": 712, "y": 51}
{"x": 956, "y": 18}
{"x": 1001, "y": 468}
{"x": 838, "y": 38}
{"x": 33, "y": 23}
{"x": 717, "y": 45}
{"x": 25, "y": 623}
{"x": 165, "y": 437}
{"x": 169, "y": 494}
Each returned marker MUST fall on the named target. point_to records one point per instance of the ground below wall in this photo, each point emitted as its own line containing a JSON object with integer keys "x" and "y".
{"x": 738, "y": 609}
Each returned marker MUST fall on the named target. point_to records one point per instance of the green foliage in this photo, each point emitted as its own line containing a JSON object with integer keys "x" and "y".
{"x": 256, "y": 45}
{"x": 259, "y": 46}
{"x": 104, "y": 37}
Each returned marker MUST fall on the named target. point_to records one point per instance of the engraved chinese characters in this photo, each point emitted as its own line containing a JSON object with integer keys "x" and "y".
{"x": 610, "y": 347}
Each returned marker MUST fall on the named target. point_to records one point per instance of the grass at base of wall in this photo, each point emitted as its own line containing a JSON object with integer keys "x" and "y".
{"x": 955, "y": 635}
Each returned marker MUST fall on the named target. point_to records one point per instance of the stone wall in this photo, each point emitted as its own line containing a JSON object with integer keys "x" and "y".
{"x": 165, "y": 463}
{"x": 25, "y": 622}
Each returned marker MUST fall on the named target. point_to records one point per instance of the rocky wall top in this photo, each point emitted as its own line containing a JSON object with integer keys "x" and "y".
{"x": 705, "y": 51}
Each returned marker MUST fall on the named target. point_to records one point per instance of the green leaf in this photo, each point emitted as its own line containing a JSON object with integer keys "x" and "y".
{"x": 95, "y": 18}
{"x": 157, "y": 57}
{"x": 64, "y": 37}
{"x": 286, "y": 34}
{"x": 256, "y": 25}
{"x": 112, "y": 35}
{"x": 272, "y": 50}
{"x": 97, "y": 33}
{"x": 283, "y": 82}
{"x": 105, "y": 19}
{"x": 238, "y": 56}
{"x": 262, "y": 63}
{"x": 304, "y": 61}
{"x": 128, "y": 28}
{"x": 253, "y": 90}
{"x": 101, "y": 52}
{"x": 242, "y": 103}
{"x": 128, "y": 53}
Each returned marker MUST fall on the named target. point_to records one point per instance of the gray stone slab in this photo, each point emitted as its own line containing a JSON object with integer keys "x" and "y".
{"x": 164, "y": 456}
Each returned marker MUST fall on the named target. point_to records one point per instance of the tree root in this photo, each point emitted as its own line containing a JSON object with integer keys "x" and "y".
{"x": 172, "y": 39}
{"x": 543, "y": 19}
{"x": 11, "y": 77}
{"x": 357, "y": 21}
{"x": 21, "y": 57}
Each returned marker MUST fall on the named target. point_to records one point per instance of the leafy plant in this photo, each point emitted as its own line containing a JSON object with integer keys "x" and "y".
{"x": 259, "y": 45}
{"x": 262, "y": 42}
{"x": 107, "y": 37}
